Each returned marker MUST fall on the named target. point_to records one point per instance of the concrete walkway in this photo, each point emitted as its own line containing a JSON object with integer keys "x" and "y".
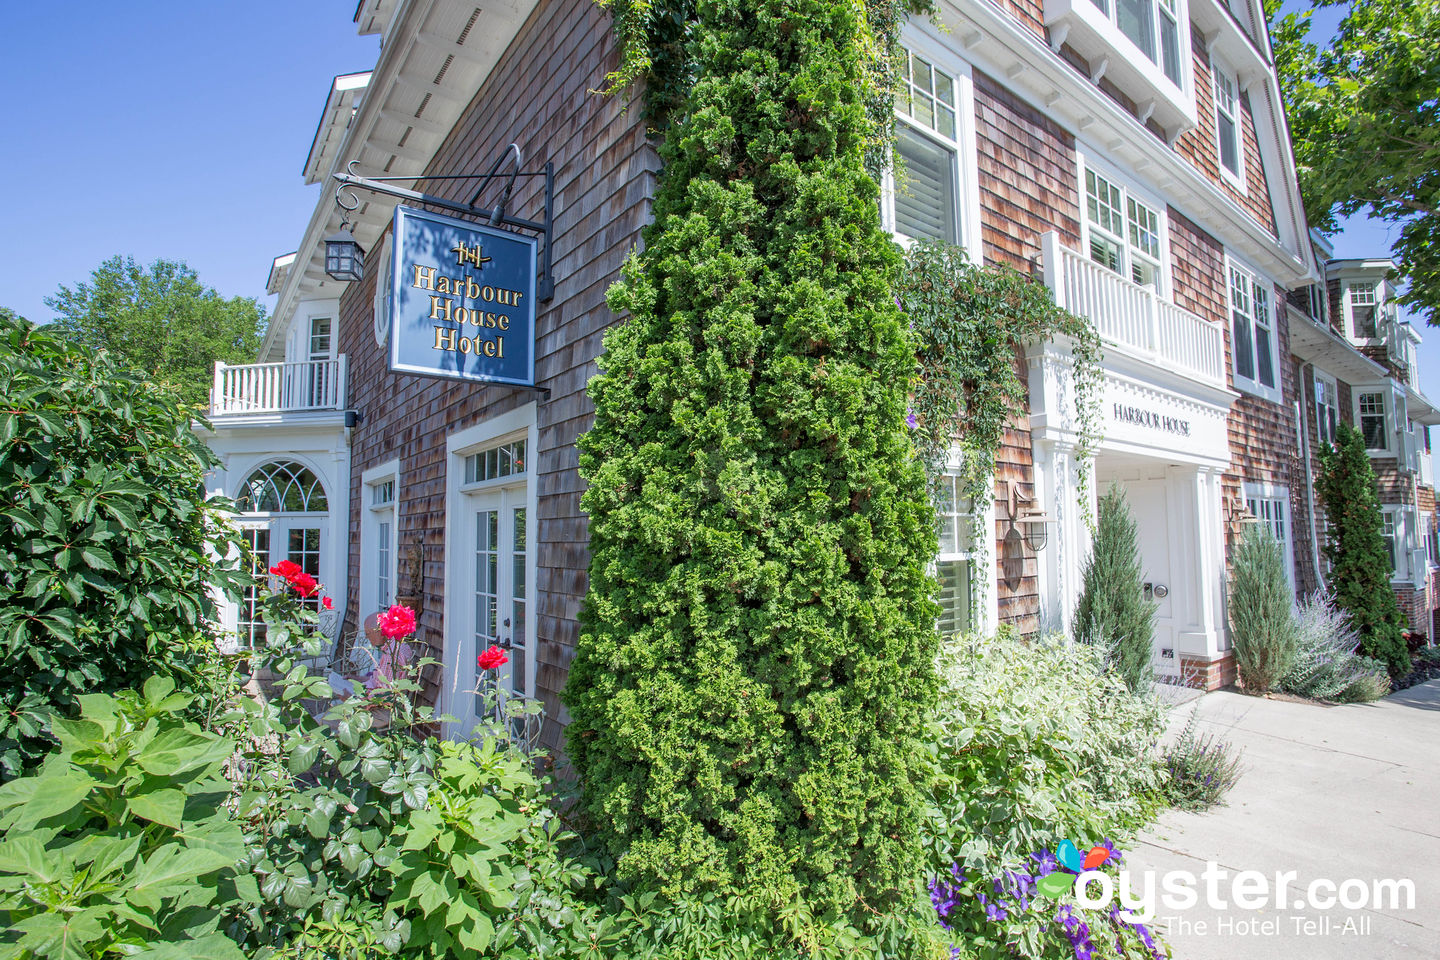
{"x": 1330, "y": 793}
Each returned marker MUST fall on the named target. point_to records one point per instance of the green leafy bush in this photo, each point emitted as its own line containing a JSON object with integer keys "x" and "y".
{"x": 1034, "y": 743}
{"x": 1262, "y": 611}
{"x": 1201, "y": 768}
{"x": 757, "y": 647}
{"x": 120, "y": 843}
{"x": 1326, "y": 666}
{"x": 1113, "y": 613}
{"x": 1360, "y": 569}
{"x": 105, "y": 575}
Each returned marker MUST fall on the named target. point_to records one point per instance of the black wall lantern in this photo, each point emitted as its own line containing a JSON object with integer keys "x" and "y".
{"x": 344, "y": 260}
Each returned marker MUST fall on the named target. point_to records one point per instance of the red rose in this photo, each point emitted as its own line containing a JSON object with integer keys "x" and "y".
{"x": 398, "y": 621}
{"x": 286, "y": 569}
{"x": 327, "y": 603}
{"x": 491, "y": 658}
{"x": 304, "y": 584}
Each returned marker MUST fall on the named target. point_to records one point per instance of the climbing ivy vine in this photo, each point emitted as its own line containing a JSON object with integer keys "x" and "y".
{"x": 966, "y": 320}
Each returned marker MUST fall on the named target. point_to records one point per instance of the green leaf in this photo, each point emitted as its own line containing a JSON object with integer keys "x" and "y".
{"x": 165, "y": 806}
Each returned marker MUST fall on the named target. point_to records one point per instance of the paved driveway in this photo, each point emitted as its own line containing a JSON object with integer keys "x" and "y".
{"x": 1330, "y": 794}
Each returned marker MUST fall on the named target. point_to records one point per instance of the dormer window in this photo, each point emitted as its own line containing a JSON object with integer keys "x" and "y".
{"x": 1364, "y": 311}
{"x": 1154, "y": 27}
{"x": 1227, "y": 122}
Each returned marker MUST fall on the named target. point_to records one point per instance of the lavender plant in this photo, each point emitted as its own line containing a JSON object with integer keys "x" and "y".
{"x": 1202, "y": 768}
{"x": 1326, "y": 665}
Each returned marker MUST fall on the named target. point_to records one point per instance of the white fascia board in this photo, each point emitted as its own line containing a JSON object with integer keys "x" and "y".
{"x": 1057, "y": 90}
{"x": 324, "y": 218}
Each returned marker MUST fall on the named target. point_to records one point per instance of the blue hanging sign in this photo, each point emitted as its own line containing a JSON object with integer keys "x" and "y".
{"x": 462, "y": 300}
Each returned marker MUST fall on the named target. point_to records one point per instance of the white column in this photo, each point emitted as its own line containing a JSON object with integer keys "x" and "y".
{"x": 1062, "y": 562}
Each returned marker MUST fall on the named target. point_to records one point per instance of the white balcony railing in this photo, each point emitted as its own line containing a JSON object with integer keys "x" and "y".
{"x": 1133, "y": 317}
{"x": 278, "y": 387}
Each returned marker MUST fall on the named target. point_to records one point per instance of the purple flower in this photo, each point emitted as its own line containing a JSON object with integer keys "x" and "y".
{"x": 910, "y": 420}
{"x": 1046, "y": 862}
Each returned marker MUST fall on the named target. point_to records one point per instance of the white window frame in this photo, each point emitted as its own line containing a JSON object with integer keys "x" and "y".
{"x": 1254, "y": 278}
{"x": 372, "y": 515}
{"x": 1427, "y": 535}
{"x": 1219, "y": 75}
{"x": 1394, "y": 516}
{"x": 459, "y": 657}
{"x": 1154, "y": 67}
{"x": 984, "y": 592}
{"x": 1347, "y": 291}
{"x": 966, "y": 165}
{"x": 1270, "y": 503}
{"x": 1089, "y": 161}
{"x": 1332, "y": 393}
{"x": 1388, "y": 402}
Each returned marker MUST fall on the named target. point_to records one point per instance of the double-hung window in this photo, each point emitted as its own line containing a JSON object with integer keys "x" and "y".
{"x": 1121, "y": 232}
{"x": 1227, "y": 122}
{"x": 1364, "y": 307}
{"x": 925, "y": 203}
{"x": 955, "y": 563}
{"x": 1371, "y": 415}
{"x": 1390, "y": 532}
{"x": 379, "y": 538}
{"x": 1154, "y": 27}
{"x": 1270, "y": 505}
{"x": 1252, "y": 331}
{"x": 1327, "y": 407}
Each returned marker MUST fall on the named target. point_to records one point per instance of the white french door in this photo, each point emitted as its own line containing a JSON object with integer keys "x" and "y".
{"x": 268, "y": 541}
{"x": 497, "y": 523}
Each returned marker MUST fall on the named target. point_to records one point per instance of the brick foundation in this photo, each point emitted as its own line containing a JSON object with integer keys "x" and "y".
{"x": 1209, "y": 674}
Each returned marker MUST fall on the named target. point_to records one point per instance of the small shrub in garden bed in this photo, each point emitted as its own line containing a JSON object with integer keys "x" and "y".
{"x": 1262, "y": 618}
{"x": 1112, "y": 612}
{"x": 1201, "y": 767}
{"x": 1326, "y": 666}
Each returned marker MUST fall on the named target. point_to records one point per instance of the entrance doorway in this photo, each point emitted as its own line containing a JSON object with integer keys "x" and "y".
{"x": 283, "y": 516}
{"x": 1160, "y": 522}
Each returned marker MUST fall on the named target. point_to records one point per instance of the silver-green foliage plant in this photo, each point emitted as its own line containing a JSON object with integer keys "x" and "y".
{"x": 1326, "y": 666}
{"x": 1262, "y": 611}
{"x": 120, "y": 843}
{"x": 1034, "y": 743}
{"x": 1112, "y": 613}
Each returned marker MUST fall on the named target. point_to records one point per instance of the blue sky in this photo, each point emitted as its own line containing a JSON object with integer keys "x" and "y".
{"x": 179, "y": 130}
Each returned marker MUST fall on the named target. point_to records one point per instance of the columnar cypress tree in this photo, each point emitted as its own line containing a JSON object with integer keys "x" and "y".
{"x": 1113, "y": 611}
{"x": 757, "y": 650}
{"x": 1359, "y": 566}
{"x": 1262, "y": 610}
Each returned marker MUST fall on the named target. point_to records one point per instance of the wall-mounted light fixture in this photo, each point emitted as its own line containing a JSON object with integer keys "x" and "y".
{"x": 1240, "y": 512}
{"x": 1027, "y": 521}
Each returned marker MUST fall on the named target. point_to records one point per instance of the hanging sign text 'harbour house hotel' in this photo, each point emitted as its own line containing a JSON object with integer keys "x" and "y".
{"x": 462, "y": 301}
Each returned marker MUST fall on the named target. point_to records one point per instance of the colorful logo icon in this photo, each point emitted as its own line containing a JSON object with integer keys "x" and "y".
{"x": 1072, "y": 864}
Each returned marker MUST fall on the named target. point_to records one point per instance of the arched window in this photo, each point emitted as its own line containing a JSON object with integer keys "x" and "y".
{"x": 282, "y": 486}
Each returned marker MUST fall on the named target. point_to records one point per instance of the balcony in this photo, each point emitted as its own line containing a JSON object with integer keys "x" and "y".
{"x": 270, "y": 388}
{"x": 1134, "y": 318}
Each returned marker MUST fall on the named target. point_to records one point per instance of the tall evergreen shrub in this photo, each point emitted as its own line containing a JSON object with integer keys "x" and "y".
{"x": 1360, "y": 569}
{"x": 757, "y": 645}
{"x": 1113, "y": 612}
{"x": 1262, "y": 611}
{"x": 106, "y": 560}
